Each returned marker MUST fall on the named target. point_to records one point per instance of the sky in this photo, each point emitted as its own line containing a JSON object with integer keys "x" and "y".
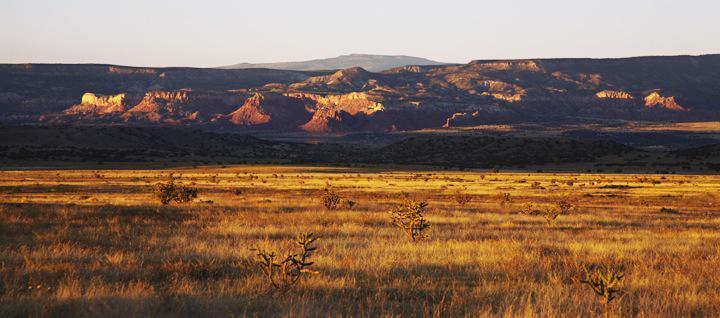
{"x": 221, "y": 32}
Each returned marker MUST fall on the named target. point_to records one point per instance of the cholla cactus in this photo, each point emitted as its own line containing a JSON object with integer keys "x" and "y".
{"x": 409, "y": 217}
{"x": 605, "y": 284}
{"x": 283, "y": 273}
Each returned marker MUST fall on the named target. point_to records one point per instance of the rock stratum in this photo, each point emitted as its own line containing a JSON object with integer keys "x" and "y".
{"x": 405, "y": 98}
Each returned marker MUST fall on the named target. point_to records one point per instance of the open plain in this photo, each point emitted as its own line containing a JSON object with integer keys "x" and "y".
{"x": 85, "y": 242}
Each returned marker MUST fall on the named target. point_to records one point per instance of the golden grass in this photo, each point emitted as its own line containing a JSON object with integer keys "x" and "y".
{"x": 96, "y": 243}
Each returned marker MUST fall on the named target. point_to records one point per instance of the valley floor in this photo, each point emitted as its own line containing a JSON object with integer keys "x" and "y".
{"x": 98, "y": 243}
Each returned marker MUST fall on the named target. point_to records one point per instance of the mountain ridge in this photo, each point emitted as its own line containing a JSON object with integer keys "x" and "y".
{"x": 369, "y": 62}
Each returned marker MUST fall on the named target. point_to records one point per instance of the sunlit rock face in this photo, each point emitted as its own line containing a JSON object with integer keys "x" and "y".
{"x": 509, "y": 65}
{"x": 609, "y": 94}
{"x": 655, "y": 100}
{"x": 101, "y": 104}
{"x": 352, "y": 103}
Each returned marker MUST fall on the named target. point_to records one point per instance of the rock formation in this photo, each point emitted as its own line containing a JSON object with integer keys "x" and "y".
{"x": 352, "y": 103}
{"x": 613, "y": 94}
{"x": 327, "y": 120}
{"x": 92, "y": 104}
{"x": 271, "y": 111}
{"x": 655, "y": 100}
{"x": 181, "y": 106}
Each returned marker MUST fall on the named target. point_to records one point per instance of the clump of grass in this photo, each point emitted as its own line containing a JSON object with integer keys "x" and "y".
{"x": 283, "y": 273}
{"x": 618, "y": 186}
{"x": 409, "y": 216}
{"x": 605, "y": 284}
{"x": 669, "y": 210}
{"x": 170, "y": 191}
{"x": 348, "y": 204}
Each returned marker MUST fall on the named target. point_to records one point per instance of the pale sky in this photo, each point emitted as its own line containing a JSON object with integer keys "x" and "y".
{"x": 221, "y": 32}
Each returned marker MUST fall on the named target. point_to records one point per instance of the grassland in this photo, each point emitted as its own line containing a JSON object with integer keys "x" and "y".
{"x": 97, "y": 243}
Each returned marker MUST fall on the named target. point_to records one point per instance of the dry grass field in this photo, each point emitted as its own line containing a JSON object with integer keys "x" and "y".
{"x": 99, "y": 243}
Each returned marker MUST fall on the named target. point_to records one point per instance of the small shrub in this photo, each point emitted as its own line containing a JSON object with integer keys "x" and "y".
{"x": 284, "y": 273}
{"x": 409, "y": 217}
{"x": 505, "y": 199}
{"x": 330, "y": 199}
{"x": 169, "y": 191}
{"x": 605, "y": 284}
{"x": 561, "y": 207}
{"x": 462, "y": 198}
{"x": 551, "y": 214}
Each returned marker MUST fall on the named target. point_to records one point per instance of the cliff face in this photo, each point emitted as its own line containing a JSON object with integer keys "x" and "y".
{"x": 181, "y": 106}
{"x": 271, "y": 111}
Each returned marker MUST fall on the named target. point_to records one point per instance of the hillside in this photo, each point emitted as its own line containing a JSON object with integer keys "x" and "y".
{"x": 49, "y": 144}
{"x": 373, "y": 63}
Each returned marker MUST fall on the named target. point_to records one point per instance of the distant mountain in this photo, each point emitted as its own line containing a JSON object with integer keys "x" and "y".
{"x": 372, "y": 63}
